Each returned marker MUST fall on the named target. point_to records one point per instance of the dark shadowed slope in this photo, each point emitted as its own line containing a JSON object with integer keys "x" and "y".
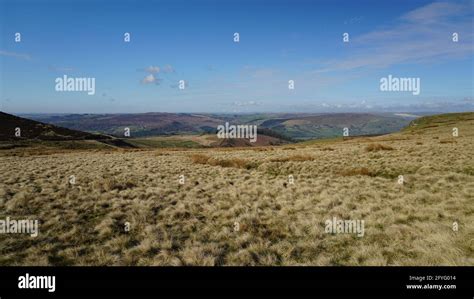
{"x": 18, "y": 128}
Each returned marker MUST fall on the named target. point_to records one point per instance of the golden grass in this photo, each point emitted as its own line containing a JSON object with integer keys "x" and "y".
{"x": 357, "y": 171}
{"x": 235, "y": 162}
{"x": 280, "y": 223}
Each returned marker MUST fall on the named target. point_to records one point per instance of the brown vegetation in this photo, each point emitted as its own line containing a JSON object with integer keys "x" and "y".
{"x": 236, "y": 162}
{"x": 375, "y": 147}
{"x": 294, "y": 158}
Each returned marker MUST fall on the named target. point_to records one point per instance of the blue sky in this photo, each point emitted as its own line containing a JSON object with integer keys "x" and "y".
{"x": 193, "y": 41}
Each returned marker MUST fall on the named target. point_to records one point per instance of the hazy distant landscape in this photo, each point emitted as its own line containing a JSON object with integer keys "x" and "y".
{"x": 185, "y": 130}
{"x": 296, "y": 126}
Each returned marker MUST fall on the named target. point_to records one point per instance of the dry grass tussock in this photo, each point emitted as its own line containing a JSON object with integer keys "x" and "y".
{"x": 375, "y": 147}
{"x": 444, "y": 141}
{"x": 235, "y": 162}
{"x": 294, "y": 158}
{"x": 279, "y": 222}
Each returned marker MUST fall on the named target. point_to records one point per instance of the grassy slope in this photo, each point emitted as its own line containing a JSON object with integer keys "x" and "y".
{"x": 279, "y": 223}
{"x": 331, "y": 125}
{"x": 441, "y": 120}
{"x": 163, "y": 142}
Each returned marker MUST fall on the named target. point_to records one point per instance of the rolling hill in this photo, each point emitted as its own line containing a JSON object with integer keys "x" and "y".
{"x": 22, "y": 132}
{"x": 331, "y": 125}
{"x": 140, "y": 125}
{"x": 297, "y": 126}
{"x": 35, "y": 133}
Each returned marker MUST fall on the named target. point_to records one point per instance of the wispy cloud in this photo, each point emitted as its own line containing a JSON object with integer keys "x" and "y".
{"x": 420, "y": 36}
{"x": 258, "y": 73}
{"x": 60, "y": 69}
{"x": 354, "y": 20}
{"x": 16, "y": 55}
{"x": 436, "y": 11}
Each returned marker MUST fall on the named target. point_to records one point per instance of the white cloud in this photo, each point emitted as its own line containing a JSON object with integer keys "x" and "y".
{"x": 153, "y": 72}
{"x": 151, "y": 79}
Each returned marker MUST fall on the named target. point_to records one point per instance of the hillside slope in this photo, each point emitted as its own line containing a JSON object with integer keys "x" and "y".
{"x": 331, "y": 125}
{"x": 33, "y": 130}
{"x": 441, "y": 121}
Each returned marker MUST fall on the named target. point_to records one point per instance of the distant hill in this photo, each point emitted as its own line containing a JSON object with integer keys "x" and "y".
{"x": 332, "y": 125}
{"x": 34, "y": 130}
{"x": 31, "y": 131}
{"x": 295, "y": 126}
{"x": 140, "y": 125}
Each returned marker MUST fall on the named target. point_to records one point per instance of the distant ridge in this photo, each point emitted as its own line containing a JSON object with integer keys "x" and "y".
{"x": 34, "y": 130}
